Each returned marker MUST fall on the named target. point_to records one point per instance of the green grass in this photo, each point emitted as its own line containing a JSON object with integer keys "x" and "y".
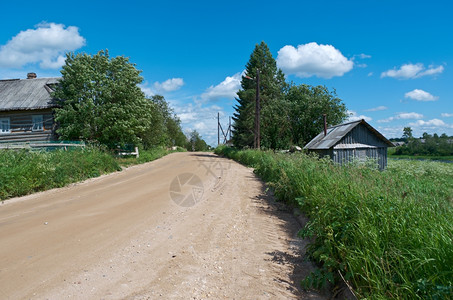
{"x": 146, "y": 156}
{"x": 389, "y": 233}
{"x": 421, "y": 157}
{"x": 24, "y": 172}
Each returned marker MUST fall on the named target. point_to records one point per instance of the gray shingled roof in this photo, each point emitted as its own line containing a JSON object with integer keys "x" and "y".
{"x": 26, "y": 94}
{"x": 336, "y": 133}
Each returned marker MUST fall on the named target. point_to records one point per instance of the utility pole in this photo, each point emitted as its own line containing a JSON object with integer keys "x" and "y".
{"x": 257, "y": 110}
{"x": 224, "y": 134}
{"x": 218, "y": 129}
{"x": 229, "y": 126}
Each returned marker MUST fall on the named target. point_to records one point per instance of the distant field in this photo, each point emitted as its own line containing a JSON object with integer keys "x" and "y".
{"x": 388, "y": 233}
{"x": 421, "y": 157}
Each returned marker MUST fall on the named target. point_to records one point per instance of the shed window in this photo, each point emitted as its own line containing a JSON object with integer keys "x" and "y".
{"x": 360, "y": 153}
{"x": 5, "y": 126}
{"x": 37, "y": 123}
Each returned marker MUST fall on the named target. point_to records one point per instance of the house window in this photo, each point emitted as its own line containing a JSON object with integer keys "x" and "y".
{"x": 37, "y": 123}
{"x": 5, "y": 126}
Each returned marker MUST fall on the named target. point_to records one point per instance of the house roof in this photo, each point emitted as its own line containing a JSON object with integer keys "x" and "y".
{"x": 337, "y": 132}
{"x": 26, "y": 94}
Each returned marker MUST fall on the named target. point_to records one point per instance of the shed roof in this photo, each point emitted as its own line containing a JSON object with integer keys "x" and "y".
{"x": 26, "y": 94}
{"x": 337, "y": 132}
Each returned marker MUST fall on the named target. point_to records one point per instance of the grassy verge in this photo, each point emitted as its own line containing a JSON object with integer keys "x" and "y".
{"x": 389, "y": 233}
{"x": 24, "y": 172}
{"x": 422, "y": 157}
{"x": 146, "y": 156}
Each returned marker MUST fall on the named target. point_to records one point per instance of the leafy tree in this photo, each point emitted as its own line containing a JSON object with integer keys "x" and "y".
{"x": 430, "y": 145}
{"x": 156, "y": 135}
{"x": 102, "y": 100}
{"x": 407, "y": 133}
{"x": 272, "y": 85}
{"x": 290, "y": 114}
{"x": 168, "y": 132}
{"x": 306, "y": 106}
{"x": 196, "y": 143}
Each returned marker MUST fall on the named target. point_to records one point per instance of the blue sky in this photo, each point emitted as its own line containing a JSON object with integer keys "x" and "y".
{"x": 389, "y": 61}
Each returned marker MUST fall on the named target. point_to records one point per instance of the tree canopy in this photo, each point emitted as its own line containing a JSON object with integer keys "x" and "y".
{"x": 195, "y": 142}
{"x": 290, "y": 114}
{"x": 102, "y": 102}
{"x": 427, "y": 144}
{"x": 272, "y": 84}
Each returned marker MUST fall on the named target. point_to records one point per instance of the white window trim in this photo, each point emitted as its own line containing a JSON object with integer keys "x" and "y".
{"x": 1, "y": 125}
{"x": 35, "y": 122}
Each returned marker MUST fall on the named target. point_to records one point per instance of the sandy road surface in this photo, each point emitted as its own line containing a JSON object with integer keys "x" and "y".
{"x": 187, "y": 226}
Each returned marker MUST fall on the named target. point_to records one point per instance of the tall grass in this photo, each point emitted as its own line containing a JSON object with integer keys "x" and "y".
{"x": 389, "y": 233}
{"x": 147, "y": 156}
{"x": 24, "y": 172}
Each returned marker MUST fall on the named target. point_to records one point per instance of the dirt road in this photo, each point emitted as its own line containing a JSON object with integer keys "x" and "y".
{"x": 187, "y": 226}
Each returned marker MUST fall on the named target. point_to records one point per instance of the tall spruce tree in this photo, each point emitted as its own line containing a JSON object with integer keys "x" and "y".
{"x": 272, "y": 87}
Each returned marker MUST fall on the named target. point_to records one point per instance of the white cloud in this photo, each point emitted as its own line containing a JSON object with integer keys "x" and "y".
{"x": 446, "y": 115}
{"x": 226, "y": 89}
{"x": 370, "y": 74}
{"x": 354, "y": 117}
{"x": 420, "y": 95}
{"x": 313, "y": 60}
{"x": 411, "y": 115}
{"x": 169, "y": 85}
{"x": 198, "y": 116}
{"x": 411, "y": 71}
{"x": 45, "y": 45}
{"x": 430, "y": 123}
{"x": 404, "y": 116}
{"x": 391, "y": 131}
{"x": 146, "y": 90}
{"x": 379, "y": 108}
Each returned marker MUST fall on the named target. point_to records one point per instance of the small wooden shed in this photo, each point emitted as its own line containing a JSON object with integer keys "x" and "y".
{"x": 26, "y": 109}
{"x": 351, "y": 141}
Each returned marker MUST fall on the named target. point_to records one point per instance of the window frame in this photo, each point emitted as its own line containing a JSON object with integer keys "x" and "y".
{"x": 2, "y": 119}
{"x": 37, "y": 122}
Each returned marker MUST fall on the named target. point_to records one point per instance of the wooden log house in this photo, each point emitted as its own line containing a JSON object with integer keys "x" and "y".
{"x": 26, "y": 109}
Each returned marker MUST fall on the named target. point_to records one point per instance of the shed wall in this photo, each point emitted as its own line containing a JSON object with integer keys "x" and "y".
{"x": 362, "y": 135}
{"x": 344, "y": 156}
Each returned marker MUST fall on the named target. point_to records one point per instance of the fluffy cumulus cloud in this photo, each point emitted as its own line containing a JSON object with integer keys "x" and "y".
{"x": 146, "y": 90}
{"x": 169, "y": 85}
{"x": 226, "y": 89}
{"x": 430, "y": 123}
{"x": 446, "y": 115}
{"x": 202, "y": 118}
{"x": 354, "y": 117}
{"x": 420, "y": 95}
{"x": 402, "y": 116}
{"x": 46, "y": 45}
{"x": 411, "y": 71}
{"x": 313, "y": 60}
{"x": 391, "y": 131}
{"x": 379, "y": 108}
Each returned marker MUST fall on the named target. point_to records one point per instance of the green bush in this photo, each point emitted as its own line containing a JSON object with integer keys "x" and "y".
{"x": 390, "y": 233}
{"x": 24, "y": 172}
